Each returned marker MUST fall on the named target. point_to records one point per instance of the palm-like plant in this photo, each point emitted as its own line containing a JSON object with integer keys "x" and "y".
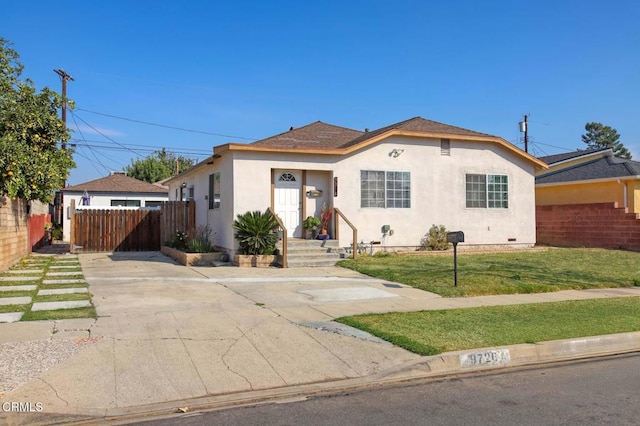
{"x": 255, "y": 232}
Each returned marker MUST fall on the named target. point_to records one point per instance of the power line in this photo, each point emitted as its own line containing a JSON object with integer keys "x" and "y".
{"x": 165, "y": 126}
{"x": 103, "y": 135}
{"x": 148, "y": 148}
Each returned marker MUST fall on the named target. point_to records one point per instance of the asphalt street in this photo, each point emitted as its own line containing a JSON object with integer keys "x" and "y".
{"x": 595, "y": 392}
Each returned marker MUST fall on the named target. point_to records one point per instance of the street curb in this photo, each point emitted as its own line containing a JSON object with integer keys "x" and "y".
{"x": 450, "y": 363}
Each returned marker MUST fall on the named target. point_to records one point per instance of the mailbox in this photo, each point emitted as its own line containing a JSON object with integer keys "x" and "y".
{"x": 455, "y": 237}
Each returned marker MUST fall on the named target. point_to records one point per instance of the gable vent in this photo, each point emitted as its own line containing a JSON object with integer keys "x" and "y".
{"x": 445, "y": 147}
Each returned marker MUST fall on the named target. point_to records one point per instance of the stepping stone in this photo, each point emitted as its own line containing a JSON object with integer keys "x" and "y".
{"x": 74, "y": 281}
{"x": 25, "y": 271}
{"x": 11, "y": 316}
{"x": 18, "y": 287}
{"x": 63, "y": 291}
{"x": 64, "y": 266}
{"x": 62, "y": 274}
{"x": 14, "y": 301}
{"x": 19, "y": 278}
{"x": 54, "y": 306}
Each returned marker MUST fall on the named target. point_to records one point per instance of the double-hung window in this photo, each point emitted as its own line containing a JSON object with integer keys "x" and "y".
{"x": 214, "y": 191}
{"x": 385, "y": 189}
{"x": 487, "y": 191}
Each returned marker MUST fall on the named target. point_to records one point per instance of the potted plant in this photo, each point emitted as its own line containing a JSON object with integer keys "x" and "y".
{"x": 311, "y": 224}
{"x": 325, "y": 216}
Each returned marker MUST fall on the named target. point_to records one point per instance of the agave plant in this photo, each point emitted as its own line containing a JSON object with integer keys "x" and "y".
{"x": 255, "y": 232}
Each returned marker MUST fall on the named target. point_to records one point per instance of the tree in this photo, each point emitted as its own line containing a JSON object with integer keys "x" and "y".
{"x": 32, "y": 166}
{"x": 158, "y": 166}
{"x": 600, "y": 136}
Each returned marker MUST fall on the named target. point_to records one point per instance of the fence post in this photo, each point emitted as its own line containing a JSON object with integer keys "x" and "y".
{"x": 72, "y": 230}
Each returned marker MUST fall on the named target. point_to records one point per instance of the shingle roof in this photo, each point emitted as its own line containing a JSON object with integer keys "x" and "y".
{"x": 417, "y": 124}
{"x": 322, "y": 135}
{"x": 600, "y": 168}
{"x": 556, "y": 158}
{"x": 117, "y": 183}
{"x": 312, "y": 136}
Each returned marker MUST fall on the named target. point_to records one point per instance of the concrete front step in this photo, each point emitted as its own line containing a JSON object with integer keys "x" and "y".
{"x": 312, "y": 262}
{"x": 312, "y": 252}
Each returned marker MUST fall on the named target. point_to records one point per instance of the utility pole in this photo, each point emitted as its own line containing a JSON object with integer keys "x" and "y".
{"x": 63, "y": 144}
{"x": 524, "y": 128}
{"x": 64, "y": 77}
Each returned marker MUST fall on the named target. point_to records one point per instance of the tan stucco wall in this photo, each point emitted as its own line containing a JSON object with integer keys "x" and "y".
{"x": 590, "y": 192}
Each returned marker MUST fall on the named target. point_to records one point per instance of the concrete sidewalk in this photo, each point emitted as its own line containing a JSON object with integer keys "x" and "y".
{"x": 169, "y": 333}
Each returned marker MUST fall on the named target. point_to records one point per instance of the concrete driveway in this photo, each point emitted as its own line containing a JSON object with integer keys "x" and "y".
{"x": 167, "y": 332}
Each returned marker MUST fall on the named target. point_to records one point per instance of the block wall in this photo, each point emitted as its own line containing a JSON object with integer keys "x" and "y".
{"x": 14, "y": 235}
{"x": 603, "y": 225}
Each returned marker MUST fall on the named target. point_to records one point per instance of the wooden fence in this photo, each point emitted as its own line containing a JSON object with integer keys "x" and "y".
{"x": 107, "y": 230}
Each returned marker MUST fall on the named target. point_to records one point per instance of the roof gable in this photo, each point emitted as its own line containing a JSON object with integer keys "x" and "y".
{"x": 418, "y": 125}
{"x": 117, "y": 182}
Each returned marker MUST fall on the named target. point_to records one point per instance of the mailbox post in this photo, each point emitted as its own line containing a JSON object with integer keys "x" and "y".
{"x": 455, "y": 238}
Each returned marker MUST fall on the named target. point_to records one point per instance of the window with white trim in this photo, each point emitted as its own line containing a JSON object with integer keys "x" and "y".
{"x": 385, "y": 189}
{"x": 214, "y": 191}
{"x": 487, "y": 191}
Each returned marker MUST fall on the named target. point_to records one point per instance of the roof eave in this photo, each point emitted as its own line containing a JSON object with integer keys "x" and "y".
{"x": 599, "y": 180}
{"x": 601, "y": 153}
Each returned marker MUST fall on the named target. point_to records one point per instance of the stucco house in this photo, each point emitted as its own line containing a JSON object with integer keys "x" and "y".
{"x": 114, "y": 191}
{"x": 589, "y": 176}
{"x": 392, "y": 183}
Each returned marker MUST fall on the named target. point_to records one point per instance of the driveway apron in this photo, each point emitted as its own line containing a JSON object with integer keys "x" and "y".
{"x": 167, "y": 332}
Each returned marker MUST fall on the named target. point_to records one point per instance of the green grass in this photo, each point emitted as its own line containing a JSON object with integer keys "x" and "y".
{"x": 22, "y": 293}
{"x": 62, "y": 297}
{"x": 13, "y": 308}
{"x": 45, "y": 263}
{"x": 433, "y": 332}
{"x": 60, "y": 314}
{"x": 506, "y": 273}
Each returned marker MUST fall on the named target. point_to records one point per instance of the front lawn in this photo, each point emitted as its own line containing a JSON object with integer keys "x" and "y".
{"x": 433, "y": 332}
{"x": 506, "y": 273}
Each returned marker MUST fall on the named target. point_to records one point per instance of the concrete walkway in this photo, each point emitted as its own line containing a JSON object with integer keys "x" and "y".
{"x": 166, "y": 332}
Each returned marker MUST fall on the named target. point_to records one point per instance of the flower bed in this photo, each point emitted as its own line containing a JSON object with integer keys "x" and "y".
{"x": 194, "y": 259}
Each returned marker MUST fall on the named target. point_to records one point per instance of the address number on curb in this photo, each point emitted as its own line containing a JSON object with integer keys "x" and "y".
{"x": 485, "y": 358}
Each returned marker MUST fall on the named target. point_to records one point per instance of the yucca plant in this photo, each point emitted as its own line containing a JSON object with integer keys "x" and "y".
{"x": 255, "y": 232}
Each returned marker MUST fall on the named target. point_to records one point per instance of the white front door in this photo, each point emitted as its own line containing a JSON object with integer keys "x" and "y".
{"x": 287, "y": 201}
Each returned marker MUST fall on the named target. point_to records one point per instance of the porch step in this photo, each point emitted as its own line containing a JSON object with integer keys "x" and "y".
{"x": 312, "y": 252}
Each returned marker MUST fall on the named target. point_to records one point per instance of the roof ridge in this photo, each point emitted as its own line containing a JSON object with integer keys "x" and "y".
{"x": 302, "y": 127}
{"x": 451, "y": 125}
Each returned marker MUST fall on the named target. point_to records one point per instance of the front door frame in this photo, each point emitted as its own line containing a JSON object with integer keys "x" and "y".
{"x": 303, "y": 191}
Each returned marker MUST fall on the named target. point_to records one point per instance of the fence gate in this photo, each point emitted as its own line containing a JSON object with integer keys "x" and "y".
{"x": 107, "y": 230}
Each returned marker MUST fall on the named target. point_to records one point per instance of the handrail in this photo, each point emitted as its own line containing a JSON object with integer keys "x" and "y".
{"x": 353, "y": 228}
{"x": 284, "y": 237}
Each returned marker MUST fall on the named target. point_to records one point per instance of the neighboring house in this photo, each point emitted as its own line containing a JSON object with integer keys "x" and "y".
{"x": 114, "y": 191}
{"x": 589, "y": 199}
{"x": 404, "y": 177}
{"x": 590, "y": 176}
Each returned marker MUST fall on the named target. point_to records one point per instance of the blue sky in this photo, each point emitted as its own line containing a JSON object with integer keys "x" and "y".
{"x": 251, "y": 69}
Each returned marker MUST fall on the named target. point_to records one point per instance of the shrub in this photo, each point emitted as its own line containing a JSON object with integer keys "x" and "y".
{"x": 255, "y": 232}
{"x": 201, "y": 241}
{"x": 435, "y": 239}
{"x": 179, "y": 241}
